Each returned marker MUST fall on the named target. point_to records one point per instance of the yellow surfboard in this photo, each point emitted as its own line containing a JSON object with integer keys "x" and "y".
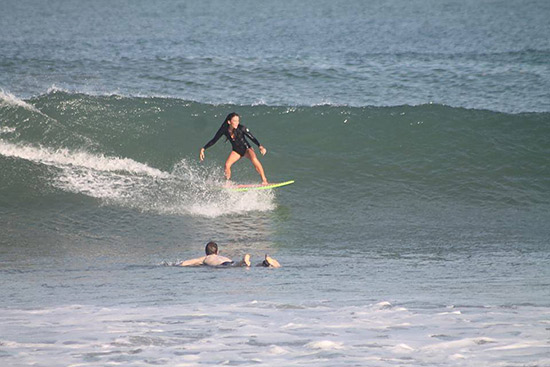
{"x": 259, "y": 186}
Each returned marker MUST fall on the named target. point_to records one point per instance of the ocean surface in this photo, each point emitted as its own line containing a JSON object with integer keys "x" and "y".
{"x": 417, "y": 232}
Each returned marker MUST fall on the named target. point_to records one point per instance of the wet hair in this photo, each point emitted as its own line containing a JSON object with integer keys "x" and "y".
{"x": 227, "y": 119}
{"x": 230, "y": 117}
{"x": 211, "y": 248}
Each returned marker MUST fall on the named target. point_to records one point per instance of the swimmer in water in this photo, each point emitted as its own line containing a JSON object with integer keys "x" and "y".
{"x": 237, "y": 134}
{"x": 213, "y": 258}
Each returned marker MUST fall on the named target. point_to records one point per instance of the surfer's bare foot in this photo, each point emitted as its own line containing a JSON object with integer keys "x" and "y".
{"x": 265, "y": 183}
{"x": 246, "y": 259}
{"x": 271, "y": 262}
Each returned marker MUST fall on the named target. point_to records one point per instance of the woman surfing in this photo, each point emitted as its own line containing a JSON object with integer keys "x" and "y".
{"x": 236, "y": 134}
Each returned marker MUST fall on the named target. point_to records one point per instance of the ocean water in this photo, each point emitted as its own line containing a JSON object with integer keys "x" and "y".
{"x": 416, "y": 233}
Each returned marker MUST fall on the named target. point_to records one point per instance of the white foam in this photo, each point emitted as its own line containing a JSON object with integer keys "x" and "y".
{"x": 9, "y": 99}
{"x": 227, "y": 202}
{"x": 521, "y": 345}
{"x": 7, "y": 130}
{"x": 276, "y": 350}
{"x": 93, "y": 92}
{"x": 384, "y": 305}
{"x": 124, "y": 181}
{"x": 251, "y": 332}
{"x": 401, "y": 348}
{"x": 55, "y": 88}
{"x": 65, "y": 157}
{"x": 450, "y": 313}
{"x": 325, "y": 345}
{"x": 462, "y": 343}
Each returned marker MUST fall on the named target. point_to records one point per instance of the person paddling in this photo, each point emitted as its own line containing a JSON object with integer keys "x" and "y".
{"x": 213, "y": 258}
{"x": 237, "y": 133}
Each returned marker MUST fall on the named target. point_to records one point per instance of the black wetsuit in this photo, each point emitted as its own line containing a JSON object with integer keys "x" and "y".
{"x": 239, "y": 143}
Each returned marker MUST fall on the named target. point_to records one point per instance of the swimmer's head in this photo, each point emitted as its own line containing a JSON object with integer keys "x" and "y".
{"x": 211, "y": 248}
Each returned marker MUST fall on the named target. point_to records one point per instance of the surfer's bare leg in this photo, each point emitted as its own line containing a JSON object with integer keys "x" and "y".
{"x": 250, "y": 154}
{"x": 233, "y": 157}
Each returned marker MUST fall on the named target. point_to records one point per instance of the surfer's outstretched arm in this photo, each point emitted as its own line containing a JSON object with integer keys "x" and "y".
{"x": 213, "y": 141}
{"x": 193, "y": 262}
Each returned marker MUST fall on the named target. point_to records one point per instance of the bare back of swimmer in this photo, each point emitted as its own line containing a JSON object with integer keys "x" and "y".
{"x": 213, "y": 258}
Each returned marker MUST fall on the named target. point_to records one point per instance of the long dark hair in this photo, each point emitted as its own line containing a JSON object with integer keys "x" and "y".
{"x": 228, "y": 118}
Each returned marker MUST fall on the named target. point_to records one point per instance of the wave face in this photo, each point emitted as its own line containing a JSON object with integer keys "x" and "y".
{"x": 142, "y": 153}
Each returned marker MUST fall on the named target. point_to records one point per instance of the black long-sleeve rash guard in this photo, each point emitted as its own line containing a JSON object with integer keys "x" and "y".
{"x": 239, "y": 143}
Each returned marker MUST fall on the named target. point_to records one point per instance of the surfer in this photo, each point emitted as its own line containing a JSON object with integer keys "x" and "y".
{"x": 236, "y": 134}
{"x": 213, "y": 258}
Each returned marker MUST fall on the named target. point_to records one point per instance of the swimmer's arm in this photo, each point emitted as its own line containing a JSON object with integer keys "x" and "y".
{"x": 193, "y": 262}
